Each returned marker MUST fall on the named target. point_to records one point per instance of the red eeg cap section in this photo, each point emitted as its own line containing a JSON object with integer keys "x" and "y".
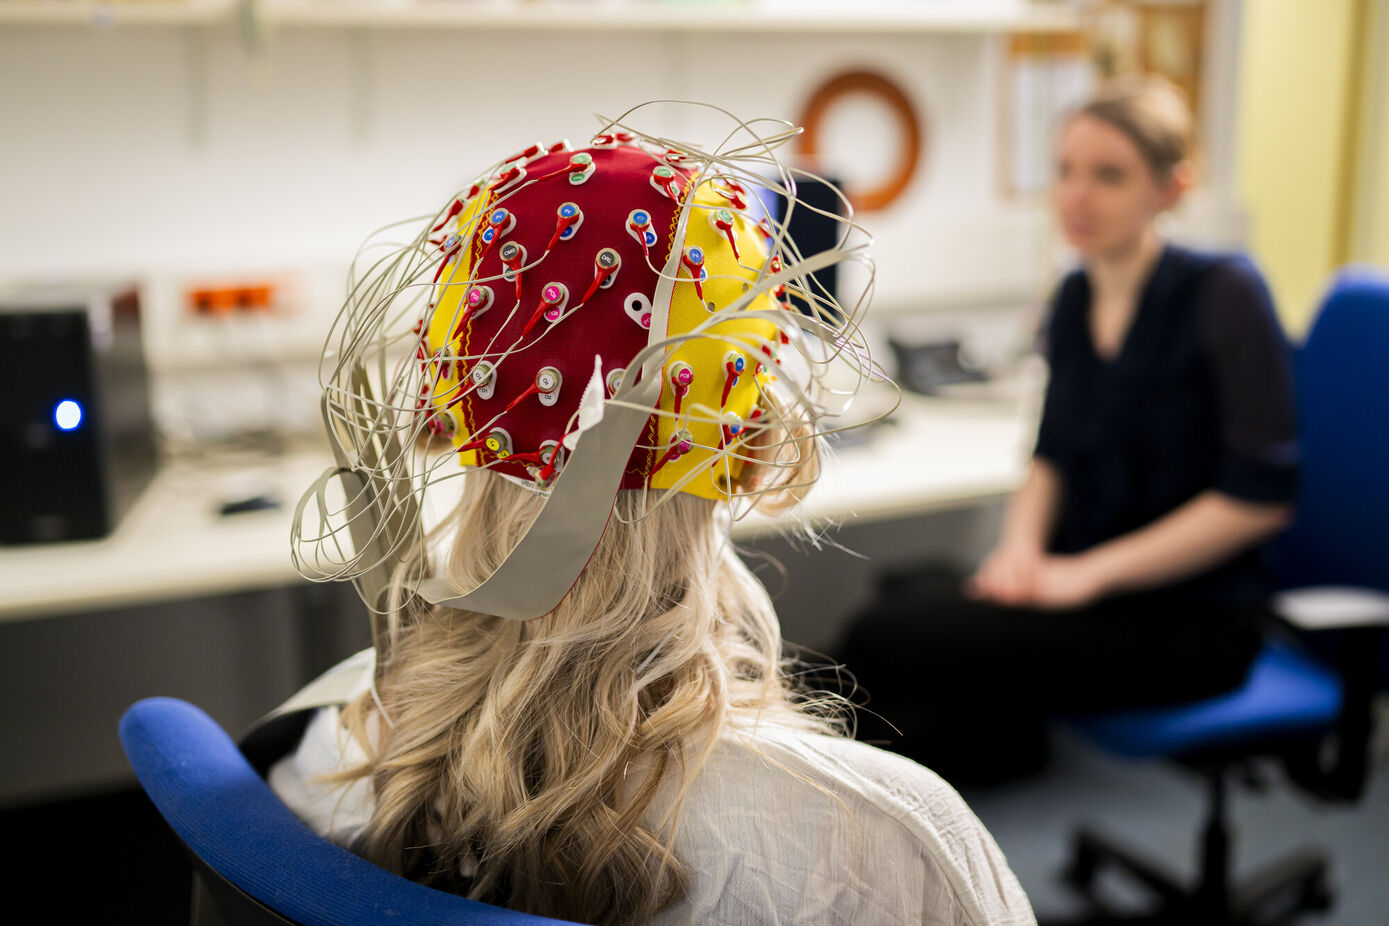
{"x": 514, "y": 332}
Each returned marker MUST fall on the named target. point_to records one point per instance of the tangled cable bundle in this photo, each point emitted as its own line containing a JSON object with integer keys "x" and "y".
{"x": 631, "y": 314}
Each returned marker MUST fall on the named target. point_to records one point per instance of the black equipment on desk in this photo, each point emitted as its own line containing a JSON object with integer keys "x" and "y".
{"x": 815, "y": 225}
{"x": 929, "y": 368}
{"x": 76, "y": 440}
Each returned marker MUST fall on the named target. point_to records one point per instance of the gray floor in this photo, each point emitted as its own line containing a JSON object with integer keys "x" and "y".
{"x": 1160, "y": 807}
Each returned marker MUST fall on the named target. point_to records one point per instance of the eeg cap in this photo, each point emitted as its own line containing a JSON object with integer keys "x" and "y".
{"x": 581, "y": 322}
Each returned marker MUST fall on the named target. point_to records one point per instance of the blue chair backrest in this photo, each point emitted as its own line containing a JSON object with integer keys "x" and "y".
{"x": 1340, "y": 532}
{"x": 227, "y": 816}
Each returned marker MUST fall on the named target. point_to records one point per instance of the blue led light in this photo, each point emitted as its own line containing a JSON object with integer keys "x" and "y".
{"x": 67, "y": 414}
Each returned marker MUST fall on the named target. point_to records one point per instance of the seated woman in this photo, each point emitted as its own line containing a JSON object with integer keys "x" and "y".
{"x": 1129, "y": 572}
{"x": 579, "y": 705}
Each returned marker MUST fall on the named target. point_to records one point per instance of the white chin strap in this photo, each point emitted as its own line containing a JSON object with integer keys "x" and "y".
{"x": 549, "y": 559}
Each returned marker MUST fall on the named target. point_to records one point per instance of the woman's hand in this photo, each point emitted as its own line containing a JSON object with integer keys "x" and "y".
{"x": 1025, "y": 577}
{"x": 1007, "y": 576}
{"x": 1064, "y": 583}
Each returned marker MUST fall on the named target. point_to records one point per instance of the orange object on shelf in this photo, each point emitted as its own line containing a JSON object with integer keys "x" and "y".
{"x": 224, "y": 300}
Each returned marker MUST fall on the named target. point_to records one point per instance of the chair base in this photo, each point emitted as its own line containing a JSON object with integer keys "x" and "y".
{"x": 1298, "y": 883}
{"x": 218, "y": 902}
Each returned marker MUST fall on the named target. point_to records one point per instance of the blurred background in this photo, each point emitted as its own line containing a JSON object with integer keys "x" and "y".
{"x": 223, "y": 159}
{"x": 217, "y": 143}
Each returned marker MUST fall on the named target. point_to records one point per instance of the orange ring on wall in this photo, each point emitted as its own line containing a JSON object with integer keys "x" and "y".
{"x": 848, "y": 83}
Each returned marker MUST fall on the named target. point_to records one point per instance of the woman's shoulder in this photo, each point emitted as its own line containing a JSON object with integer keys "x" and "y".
{"x": 891, "y": 790}
{"x": 337, "y": 810}
{"x": 842, "y": 803}
{"x": 1230, "y": 297}
{"x": 1219, "y": 271}
{"x": 887, "y": 780}
{"x": 1072, "y": 294}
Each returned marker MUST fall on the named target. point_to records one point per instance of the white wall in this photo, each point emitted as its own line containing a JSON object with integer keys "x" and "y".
{"x": 171, "y": 148}
{"x": 176, "y": 154}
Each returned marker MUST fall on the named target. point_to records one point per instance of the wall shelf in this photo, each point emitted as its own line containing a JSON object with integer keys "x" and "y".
{"x": 640, "y": 16}
{"x": 105, "y": 15}
{"x": 894, "y": 16}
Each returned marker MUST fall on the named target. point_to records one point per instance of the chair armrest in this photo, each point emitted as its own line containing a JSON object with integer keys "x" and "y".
{"x": 1332, "y": 607}
{"x": 1360, "y": 616}
{"x": 230, "y": 819}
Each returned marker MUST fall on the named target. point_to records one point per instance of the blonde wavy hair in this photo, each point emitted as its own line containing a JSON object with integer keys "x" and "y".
{"x": 520, "y": 762}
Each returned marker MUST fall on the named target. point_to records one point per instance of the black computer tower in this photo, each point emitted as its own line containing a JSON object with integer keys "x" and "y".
{"x": 76, "y": 439}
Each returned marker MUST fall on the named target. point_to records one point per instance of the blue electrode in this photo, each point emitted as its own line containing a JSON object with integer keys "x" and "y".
{"x": 67, "y": 415}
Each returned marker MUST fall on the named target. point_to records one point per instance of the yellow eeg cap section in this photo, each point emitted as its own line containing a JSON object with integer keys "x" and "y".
{"x": 452, "y": 293}
{"x": 700, "y": 409}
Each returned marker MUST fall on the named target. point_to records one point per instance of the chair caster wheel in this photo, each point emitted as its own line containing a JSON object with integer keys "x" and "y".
{"x": 1079, "y": 873}
{"x": 1317, "y": 895}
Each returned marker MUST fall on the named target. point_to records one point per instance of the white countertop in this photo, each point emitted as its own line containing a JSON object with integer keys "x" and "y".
{"x": 173, "y": 543}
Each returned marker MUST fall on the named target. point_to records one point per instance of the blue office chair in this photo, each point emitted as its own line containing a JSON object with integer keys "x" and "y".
{"x": 254, "y": 862}
{"x": 1333, "y": 563}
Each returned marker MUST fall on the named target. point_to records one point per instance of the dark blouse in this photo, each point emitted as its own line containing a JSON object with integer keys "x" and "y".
{"x": 1199, "y": 397}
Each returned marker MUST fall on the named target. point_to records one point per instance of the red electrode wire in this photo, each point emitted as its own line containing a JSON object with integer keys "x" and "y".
{"x": 454, "y": 209}
{"x": 733, "y": 365}
{"x": 529, "y": 391}
{"x": 683, "y": 445}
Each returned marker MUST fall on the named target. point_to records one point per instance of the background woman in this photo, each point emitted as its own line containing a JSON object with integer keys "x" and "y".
{"x": 1128, "y": 571}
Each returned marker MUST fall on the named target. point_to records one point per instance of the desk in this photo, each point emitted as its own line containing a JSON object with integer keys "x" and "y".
{"x": 183, "y": 601}
{"x": 173, "y": 544}
{"x": 932, "y": 454}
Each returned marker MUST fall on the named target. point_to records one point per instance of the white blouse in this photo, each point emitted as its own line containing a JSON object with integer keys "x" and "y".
{"x": 885, "y": 842}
